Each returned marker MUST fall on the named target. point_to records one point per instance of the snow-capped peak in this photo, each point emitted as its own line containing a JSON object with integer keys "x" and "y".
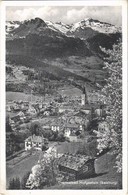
{"x": 96, "y": 25}
{"x": 11, "y": 25}
{"x": 59, "y": 26}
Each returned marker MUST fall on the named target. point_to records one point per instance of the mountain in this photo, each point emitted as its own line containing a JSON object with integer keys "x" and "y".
{"x": 70, "y": 49}
{"x": 11, "y": 25}
{"x": 96, "y": 25}
{"x": 88, "y": 30}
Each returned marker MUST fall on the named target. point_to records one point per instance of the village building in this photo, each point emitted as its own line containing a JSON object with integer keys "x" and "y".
{"x": 8, "y": 108}
{"x": 56, "y": 125}
{"x": 103, "y": 126}
{"x": 80, "y": 166}
{"x": 47, "y": 113}
{"x": 55, "y": 128}
{"x": 73, "y": 137}
{"x": 31, "y": 110}
{"x": 71, "y": 131}
{"x": 46, "y": 127}
{"x": 64, "y": 108}
{"x": 84, "y": 97}
{"x": 86, "y": 109}
{"x": 22, "y": 116}
{"x": 35, "y": 142}
{"x": 15, "y": 118}
{"x": 24, "y": 107}
{"x": 100, "y": 110}
{"x": 16, "y": 107}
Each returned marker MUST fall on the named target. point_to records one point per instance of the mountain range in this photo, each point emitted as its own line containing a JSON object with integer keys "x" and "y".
{"x": 57, "y": 46}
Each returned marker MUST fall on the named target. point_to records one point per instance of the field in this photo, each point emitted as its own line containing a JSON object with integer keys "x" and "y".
{"x": 19, "y": 169}
{"x": 69, "y": 91}
{"x": 11, "y": 96}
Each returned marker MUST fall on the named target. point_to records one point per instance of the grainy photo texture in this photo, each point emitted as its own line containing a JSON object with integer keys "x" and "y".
{"x": 63, "y": 97}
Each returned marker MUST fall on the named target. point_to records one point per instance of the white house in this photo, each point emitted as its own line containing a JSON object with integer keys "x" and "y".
{"x": 98, "y": 111}
{"x": 71, "y": 130}
{"x": 31, "y": 110}
{"x": 46, "y": 113}
{"x": 65, "y": 108}
{"x": 86, "y": 109}
{"x": 103, "y": 126}
{"x": 35, "y": 142}
{"x": 22, "y": 116}
{"x": 55, "y": 128}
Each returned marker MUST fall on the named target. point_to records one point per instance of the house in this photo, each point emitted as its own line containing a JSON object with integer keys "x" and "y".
{"x": 46, "y": 113}
{"x": 22, "y": 116}
{"x": 103, "y": 126}
{"x": 71, "y": 131}
{"x": 8, "y": 108}
{"x": 71, "y": 135}
{"x": 35, "y": 142}
{"x": 64, "y": 108}
{"x": 86, "y": 109}
{"x": 40, "y": 106}
{"x": 15, "y": 118}
{"x": 73, "y": 138}
{"x": 55, "y": 126}
{"x": 46, "y": 127}
{"x": 100, "y": 110}
{"x": 31, "y": 110}
{"x": 16, "y": 107}
{"x": 80, "y": 166}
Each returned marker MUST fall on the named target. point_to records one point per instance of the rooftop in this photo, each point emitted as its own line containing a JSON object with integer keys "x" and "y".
{"x": 34, "y": 138}
{"x": 74, "y": 162}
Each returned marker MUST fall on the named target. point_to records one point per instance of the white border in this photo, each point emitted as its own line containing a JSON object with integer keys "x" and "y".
{"x": 3, "y": 5}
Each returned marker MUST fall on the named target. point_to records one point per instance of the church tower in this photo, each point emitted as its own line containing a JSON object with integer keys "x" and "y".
{"x": 84, "y": 98}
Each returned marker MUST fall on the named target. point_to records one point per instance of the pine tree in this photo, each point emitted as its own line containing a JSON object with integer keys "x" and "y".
{"x": 24, "y": 180}
{"x": 17, "y": 183}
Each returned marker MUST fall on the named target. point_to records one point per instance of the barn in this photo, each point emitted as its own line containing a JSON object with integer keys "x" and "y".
{"x": 80, "y": 166}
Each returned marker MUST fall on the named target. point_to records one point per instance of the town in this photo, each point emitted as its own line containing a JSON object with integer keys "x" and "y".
{"x": 61, "y": 125}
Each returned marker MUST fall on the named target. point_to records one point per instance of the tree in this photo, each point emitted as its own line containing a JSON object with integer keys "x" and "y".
{"x": 44, "y": 173}
{"x": 112, "y": 97}
{"x": 24, "y": 180}
{"x": 14, "y": 183}
{"x": 36, "y": 128}
{"x": 8, "y": 126}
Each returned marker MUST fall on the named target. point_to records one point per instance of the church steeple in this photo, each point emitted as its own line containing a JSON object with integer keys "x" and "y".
{"x": 84, "y": 96}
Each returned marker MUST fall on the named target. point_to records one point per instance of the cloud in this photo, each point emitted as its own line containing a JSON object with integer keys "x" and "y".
{"x": 29, "y": 13}
{"x": 101, "y": 13}
{"x": 66, "y": 14}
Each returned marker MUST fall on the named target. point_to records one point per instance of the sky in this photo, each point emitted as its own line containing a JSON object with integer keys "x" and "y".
{"x": 66, "y": 14}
